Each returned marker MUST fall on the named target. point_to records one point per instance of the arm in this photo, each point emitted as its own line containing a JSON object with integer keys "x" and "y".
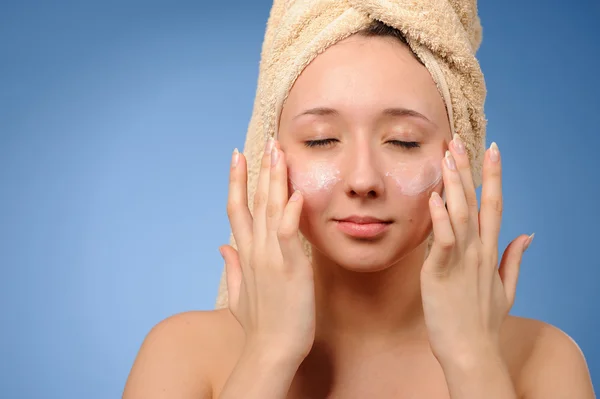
{"x": 260, "y": 374}
{"x": 483, "y": 374}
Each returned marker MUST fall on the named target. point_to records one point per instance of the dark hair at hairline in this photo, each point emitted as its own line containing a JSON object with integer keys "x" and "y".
{"x": 380, "y": 29}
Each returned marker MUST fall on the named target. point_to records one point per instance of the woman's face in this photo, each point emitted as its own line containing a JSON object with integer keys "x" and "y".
{"x": 364, "y": 130}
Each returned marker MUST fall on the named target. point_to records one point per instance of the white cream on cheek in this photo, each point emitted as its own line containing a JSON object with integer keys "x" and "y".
{"x": 317, "y": 177}
{"x": 414, "y": 178}
{"x": 411, "y": 178}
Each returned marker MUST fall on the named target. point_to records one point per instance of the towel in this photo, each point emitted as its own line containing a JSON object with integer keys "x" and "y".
{"x": 443, "y": 34}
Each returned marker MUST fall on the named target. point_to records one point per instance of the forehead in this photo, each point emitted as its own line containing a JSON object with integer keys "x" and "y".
{"x": 359, "y": 76}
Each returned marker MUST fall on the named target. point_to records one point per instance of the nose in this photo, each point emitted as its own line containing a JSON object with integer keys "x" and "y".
{"x": 363, "y": 178}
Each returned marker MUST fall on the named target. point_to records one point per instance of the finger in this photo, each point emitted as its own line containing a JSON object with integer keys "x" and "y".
{"x": 455, "y": 199}
{"x": 287, "y": 233}
{"x": 278, "y": 190}
{"x": 510, "y": 266}
{"x": 237, "y": 204}
{"x": 463, "y": 165}
{"x": 233, "y": 272}
{"x": 490, "y": 215}
{"x": 261, "y": 196}
{"x": 444, "y": 240}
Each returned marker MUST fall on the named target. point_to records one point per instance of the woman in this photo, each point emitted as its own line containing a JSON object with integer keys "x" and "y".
{"x": 363, "y": 160}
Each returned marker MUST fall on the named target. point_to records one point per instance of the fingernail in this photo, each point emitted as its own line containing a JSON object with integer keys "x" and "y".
{"x": 295, "y": 196}
{"x": 450, "y": 161}
{"x": 494, "y": 152}
{"x": 235, "y": 158}
{"x": 436, "y": 199}
{"x": 528, "y": 242}
{"x": 274, "y": 156}
{"x": 459, "y": 146}
{"x": 269, "y": 145}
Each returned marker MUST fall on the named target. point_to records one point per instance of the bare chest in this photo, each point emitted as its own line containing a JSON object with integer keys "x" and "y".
{"x": 381, "y": 387}
{"x": 372, "y": 377}
{"x": 359, "y": 379}
{"x": 404, "y": 374}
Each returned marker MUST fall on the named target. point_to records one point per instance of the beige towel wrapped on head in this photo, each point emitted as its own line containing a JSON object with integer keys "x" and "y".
{"x": 444, "y": 34}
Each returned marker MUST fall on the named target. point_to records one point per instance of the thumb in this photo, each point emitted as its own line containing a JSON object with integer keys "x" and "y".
{"x": 510, "y": 265}
{"x": 233, "y": 272}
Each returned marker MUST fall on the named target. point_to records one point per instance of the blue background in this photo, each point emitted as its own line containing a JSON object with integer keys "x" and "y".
{"x": 117, "y": 121}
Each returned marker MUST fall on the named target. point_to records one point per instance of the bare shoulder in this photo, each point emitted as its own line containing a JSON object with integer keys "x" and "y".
{"x": 183, "y": 354}
{"x": 546, "y": 361}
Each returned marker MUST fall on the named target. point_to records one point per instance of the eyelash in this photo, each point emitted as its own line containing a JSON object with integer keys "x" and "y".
{"x": 327, "y": 142}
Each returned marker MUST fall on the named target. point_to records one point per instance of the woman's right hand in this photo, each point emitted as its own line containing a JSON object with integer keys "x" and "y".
{"x": 269, "y": 278}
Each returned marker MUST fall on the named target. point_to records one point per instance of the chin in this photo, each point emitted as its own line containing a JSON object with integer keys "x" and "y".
{"x": 364, "y": 265}
{"x": 363, "y": 255}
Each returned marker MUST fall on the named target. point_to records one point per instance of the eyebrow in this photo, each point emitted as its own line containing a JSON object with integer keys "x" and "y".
{"x": 395, "y": 112}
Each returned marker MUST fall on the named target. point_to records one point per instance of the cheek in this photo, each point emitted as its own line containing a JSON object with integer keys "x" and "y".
{"x": 314, "y": 181}
{"x": 414, "y": 179}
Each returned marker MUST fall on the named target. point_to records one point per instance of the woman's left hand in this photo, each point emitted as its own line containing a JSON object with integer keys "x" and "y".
{"x": 466, "y": 296}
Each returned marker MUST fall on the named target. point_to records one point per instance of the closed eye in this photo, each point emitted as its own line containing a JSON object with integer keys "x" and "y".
{"x": 405, "y": 144}
{"x": 319, "y": 143}
{"x": 327, "y": 142}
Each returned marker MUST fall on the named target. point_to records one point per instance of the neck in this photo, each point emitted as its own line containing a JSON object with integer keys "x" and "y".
{"x": 381, "y": 308}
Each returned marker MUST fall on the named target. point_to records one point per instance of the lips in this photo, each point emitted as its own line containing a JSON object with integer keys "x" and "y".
{"x": 362, "y": 220}
{"x": 363, "y": 226}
